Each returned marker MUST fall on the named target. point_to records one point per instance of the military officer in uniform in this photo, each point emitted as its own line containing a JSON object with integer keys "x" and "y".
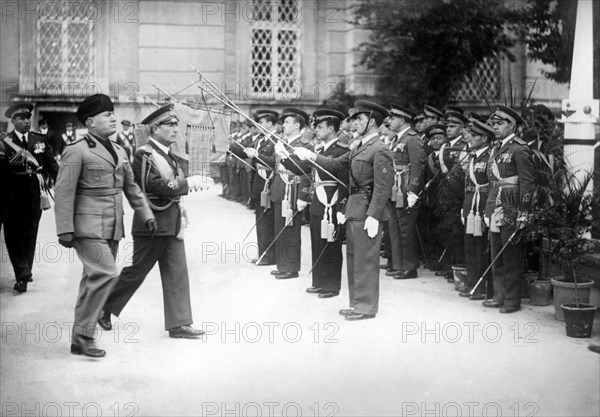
{"x": 260, "y": 199}
{"x": 409, "y": 166}
{"x": 511, "y": 175}
{"x": 161, "y": 176}
{"x": 286, "y": 195}
{"x": 126, "y": 138}
{"x": 327, "y": 198}
{"x": 94, "y": 173}
{"x": 30, "y": 169}
{"x": 479, "y": 136}
{"x": 371, "y": 179}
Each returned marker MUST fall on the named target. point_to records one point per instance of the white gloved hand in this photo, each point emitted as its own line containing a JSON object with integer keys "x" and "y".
{"x": 251, "y": 152}
{"x": 486, "y": 220}
{"x": 411, "y": 199}
{"x": 371, "y": 226}
{"x": 341, "y": 218}
{"x": 305, "y": 154}
{"x": 301, "y": 204}
{"x": 462, "y": 216}
{"x": 522, "y": 221}
{"x": 280, "y": 150}
{"x": 197, "y": 182}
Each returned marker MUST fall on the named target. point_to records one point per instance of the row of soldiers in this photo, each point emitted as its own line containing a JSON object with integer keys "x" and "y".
{"x": 437, "y": 185}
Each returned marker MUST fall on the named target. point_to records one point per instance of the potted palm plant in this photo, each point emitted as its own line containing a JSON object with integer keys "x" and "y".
{"x": 564, "y": 220}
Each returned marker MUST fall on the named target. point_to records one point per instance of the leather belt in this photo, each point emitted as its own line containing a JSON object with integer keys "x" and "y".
{"x": 98, "y": 192}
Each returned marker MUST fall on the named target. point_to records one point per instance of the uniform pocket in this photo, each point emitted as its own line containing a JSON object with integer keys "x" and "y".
{"x": 88, "y": 222}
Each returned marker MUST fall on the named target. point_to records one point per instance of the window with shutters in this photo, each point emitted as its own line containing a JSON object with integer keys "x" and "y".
{"x": 483, "y": 82}
{"x": 275, "y": 58}
{"x": 64, "y": 45}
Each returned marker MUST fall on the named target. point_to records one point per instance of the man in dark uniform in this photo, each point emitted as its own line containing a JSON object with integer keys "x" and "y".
{"x": 259, "y": 189}
{"x": 511, "y": 175}
{"x": 126, "y": 138}
{"x": 94, "y": 173}
{"x": 409, "y": 165}
{"x": 371, "y": 180}
{"x": 327, "y": 198}
{"x": 160, "y": 175}
{"x": 285, "y": 192}
{"x": 479, "y": 136}
{"x": 450, "y": 195}
{"x": 30, "y": 169}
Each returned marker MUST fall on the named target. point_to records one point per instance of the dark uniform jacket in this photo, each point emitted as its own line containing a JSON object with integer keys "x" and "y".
{"x": 370, "y": 166}
{"x": 163, "y": 191}
{"x": 512, "y": 182}
{"x": 89, "y": 191}
{"x": 317, "y": 208}
{"x": 409, "y": 156}
{"x": 20, "y": 179}
{"x": 301, "y": 187}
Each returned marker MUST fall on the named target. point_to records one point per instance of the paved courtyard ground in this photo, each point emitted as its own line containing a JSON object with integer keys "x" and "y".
{"x": 272, "y": 350}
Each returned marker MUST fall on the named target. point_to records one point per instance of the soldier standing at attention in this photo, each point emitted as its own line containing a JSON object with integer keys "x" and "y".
{"x": 409, "y": 165}
{"x": 371, "y": 179}
{"x": 94, "y": 173}
{"x": 479, "y": 136}
{"x": 511, "y": 175}
{"x": 29, "y": 169}
{"x": 327, "y": 198}
{"x": 286, "y": 195}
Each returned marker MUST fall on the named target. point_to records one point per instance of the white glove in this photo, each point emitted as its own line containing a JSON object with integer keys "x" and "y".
{"x": 280, "y": 150}
{"x": 371, "y": 226}
{"x": 341, "y": 218}
{"x": 462, "y": 216}
{"x": 197, "y": 182}
{"x": 411, "y": 199}
{"x": 301, "y": 204}
{"x": 522, "y": 221}
{"x": 251, "y": 152}
{"x": 486, "y": 220}
{"x": 305, "y": 154}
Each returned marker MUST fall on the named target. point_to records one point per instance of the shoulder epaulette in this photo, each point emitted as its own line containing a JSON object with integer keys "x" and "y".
{"x": 37, "y": 134}
{"x": 304, "y": 140}
{"x": 519, "y": 141}
{"x": 78, "y": 141}
{"x": 342, "y": 144}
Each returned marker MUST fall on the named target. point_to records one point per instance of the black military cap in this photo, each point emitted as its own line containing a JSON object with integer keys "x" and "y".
{"x": 162, "y": 115}
{"x": 397, "y": 110}
{"x": 456, "y": 118}
{"x": 419, "y": 116}
{"x": 19, "y": 109}
{"x": 94, "y": 105}
{"x": 126, "y": 123}
{"x": 297, "y": 114}
{"x": 323, "y": 115}
{"x": 271, "y": 115}
{"x": 503, "y": 112}
{"x": 481, "y": 128}
{"x": 375, "y": 110}
{"x": 435, "y": 129}
{"x": 432, "y": 112}
{"x": 454, "y": 108}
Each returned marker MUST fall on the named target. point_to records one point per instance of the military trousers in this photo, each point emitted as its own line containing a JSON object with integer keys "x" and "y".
{"x": 265, "y": 229}
{"x": 476, "y": 261}
{"x": 393, "y": 252}
{"x": 97, "y": 281}
{"x": 507, "y": 271}
{"x": 287, "y": 246}
{"x": 326, "y": 258}
{"x": 409, "y": 240}
{"x": 20, "y": 235}
{"x": 362, "y": 260}
{"x": 169, "y": 252}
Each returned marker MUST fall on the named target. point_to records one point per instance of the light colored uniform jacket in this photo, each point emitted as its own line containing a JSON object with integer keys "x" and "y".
{"x": 89, "y": 191}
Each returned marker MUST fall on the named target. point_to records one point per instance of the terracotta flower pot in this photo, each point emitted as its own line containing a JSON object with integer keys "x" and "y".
{"x": 564, "y": 293}
{"x": 579, "y": 320}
